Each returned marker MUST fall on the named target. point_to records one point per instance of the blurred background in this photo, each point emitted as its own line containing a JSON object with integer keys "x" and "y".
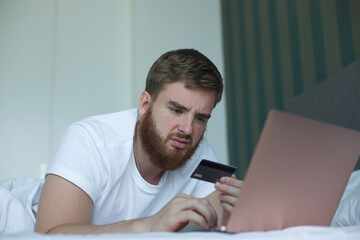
{"x": 64, "y": 60}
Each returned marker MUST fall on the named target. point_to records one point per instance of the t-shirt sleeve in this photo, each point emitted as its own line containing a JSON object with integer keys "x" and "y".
{"x": 78, "y": 160}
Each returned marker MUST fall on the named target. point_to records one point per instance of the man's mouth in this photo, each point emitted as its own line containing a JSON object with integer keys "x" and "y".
{"x": 180, "y": 143}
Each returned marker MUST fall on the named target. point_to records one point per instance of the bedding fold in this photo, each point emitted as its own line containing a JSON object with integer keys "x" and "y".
{"x": 18, "y": 204}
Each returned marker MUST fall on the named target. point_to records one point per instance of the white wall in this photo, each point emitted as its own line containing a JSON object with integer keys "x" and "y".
{"x": 26, "y": 41}
{"x": 63, "y": 60}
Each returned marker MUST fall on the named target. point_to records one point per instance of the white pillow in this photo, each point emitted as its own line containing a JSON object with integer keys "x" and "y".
{"x": 348, "y": 211}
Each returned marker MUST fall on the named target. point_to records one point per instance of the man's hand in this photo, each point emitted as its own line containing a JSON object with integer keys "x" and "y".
{"x": 180, "y": 211}
{"x": 229, "y": 188}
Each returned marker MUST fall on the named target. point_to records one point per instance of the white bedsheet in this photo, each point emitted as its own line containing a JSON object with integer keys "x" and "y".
{"x": 19, "y": 199}
{"x": 294, "y": 233}
{"x": 18, "y": 204}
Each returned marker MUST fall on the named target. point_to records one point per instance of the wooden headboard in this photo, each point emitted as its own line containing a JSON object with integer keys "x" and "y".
{"x": 335, "y": 100}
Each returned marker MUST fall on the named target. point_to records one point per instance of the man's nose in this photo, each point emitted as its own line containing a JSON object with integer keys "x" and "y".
{"x": 186, "y": 125}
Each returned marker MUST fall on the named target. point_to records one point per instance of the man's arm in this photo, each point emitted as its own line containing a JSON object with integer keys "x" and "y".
{"x": 65, "y": 208}
{"x": 62, "y": 202}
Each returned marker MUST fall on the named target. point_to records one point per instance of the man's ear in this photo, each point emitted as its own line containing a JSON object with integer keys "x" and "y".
{"x": 144, "y": 102}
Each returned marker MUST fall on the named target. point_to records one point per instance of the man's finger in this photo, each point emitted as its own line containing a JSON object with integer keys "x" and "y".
{"x": 227, "y": 207}
{"x": 205, "y": 209}
{"x": 202, "y": 207}
{"x": 227, "y": 189}
{"x": 228, "y": 199}
{"x": 231, "y": 181}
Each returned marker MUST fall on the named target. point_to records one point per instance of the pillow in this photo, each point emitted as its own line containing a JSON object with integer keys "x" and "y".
{"x": 19, "y": 199}
{"x": 348, "y": 211}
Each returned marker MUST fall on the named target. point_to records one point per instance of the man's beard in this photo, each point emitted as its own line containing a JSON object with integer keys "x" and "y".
{"x": 155, "y": 146}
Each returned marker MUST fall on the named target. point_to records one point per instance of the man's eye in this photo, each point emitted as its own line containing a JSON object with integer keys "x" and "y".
{"x": 200, "y": 119}
{"x": 177, "y": 111}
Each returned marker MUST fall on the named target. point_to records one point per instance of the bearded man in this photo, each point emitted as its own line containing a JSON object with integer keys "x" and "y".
{"x": 130, "y": 171}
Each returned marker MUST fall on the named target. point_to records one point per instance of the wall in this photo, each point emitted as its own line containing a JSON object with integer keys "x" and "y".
{"x": 62, "y": 60}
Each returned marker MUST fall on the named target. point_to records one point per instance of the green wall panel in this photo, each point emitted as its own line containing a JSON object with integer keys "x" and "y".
{"x": 276, "y": 49}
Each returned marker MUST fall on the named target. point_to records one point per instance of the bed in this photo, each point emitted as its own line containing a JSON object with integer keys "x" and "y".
{"x": 295, "y": 233}
{"x": 19, "y": 199}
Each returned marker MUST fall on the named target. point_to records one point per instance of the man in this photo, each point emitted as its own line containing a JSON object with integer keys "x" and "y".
{"x": 130, "y": 171}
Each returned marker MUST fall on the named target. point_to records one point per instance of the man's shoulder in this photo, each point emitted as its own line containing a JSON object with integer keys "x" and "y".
{"x": 204, "y": 149}
{"x": 124, "y": 117}
{"x": 117, "y": 126}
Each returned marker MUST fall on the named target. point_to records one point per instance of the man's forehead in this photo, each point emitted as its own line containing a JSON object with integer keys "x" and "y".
{"x": 181, "y": 93}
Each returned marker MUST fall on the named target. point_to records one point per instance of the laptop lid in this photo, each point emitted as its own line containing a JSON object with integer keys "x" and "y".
{"x": 297, "y": 174}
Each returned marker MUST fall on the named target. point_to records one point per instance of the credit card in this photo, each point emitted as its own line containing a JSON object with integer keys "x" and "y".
{"x": 212, "y": 171}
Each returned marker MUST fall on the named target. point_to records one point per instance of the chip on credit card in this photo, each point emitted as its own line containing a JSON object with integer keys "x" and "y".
{"x": 210, "y": 171}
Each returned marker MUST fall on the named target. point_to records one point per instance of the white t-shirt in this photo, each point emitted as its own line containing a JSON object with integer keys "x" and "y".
{"x": 96, "y": 154}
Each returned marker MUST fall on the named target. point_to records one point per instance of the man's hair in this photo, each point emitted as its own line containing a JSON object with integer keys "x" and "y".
{"x": 187, "y": 65}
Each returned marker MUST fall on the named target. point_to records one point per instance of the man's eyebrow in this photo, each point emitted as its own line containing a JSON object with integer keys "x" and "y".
{"x": 179, "y": 106}
{"x": 204, "y": 115}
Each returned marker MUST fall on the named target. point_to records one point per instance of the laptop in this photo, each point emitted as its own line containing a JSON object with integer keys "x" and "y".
{"x": 297, "y": 174}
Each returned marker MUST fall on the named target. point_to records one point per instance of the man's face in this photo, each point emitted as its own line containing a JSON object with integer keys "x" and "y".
{"x": 173, "y": 125}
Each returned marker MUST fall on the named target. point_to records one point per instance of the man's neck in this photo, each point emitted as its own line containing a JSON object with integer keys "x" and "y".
{"x": 147, "y": 170}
